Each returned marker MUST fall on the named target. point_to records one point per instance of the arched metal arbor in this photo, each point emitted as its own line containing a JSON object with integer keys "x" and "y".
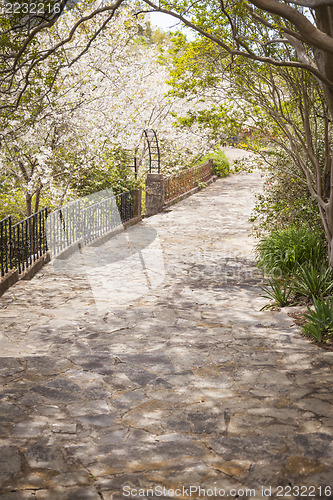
{"x": 151, "y": 142}
{"x": 153, "y": 150}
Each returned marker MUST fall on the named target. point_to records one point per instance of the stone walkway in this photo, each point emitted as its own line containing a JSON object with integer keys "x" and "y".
{"x": 147, "y": 363}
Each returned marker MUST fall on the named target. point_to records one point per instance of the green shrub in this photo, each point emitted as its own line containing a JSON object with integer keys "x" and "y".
{"x": 312, "y": 280}
{"x": 320, "y": 320}
{"x": 285, "y": 199}
{"x": 221, "y": 164}
{"x": 110, "y": 171}
{"x": 279, "y": 291}
{"x": 283, "y": 251}
{"x": 14, "y": 202}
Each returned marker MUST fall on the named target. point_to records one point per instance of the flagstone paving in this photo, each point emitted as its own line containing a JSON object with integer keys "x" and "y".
{"x": 147, "y": 363}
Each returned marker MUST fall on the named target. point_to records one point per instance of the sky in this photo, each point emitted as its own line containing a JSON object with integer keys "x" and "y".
{"x": 163, "y": 21}
{"x": 167, "y": 23}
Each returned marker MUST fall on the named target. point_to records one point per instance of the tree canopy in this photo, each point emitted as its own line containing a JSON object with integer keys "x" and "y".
{"x": 255, "y": 28}
{"x": 78, "y": 125}
{"x": 276, "y": 56}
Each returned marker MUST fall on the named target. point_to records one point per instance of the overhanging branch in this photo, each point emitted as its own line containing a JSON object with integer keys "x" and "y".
{"x": 236, "y": 52}
{"x": 309, "y": 33}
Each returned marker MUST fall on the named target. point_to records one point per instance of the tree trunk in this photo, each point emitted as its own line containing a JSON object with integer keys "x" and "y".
{"x": 330, "y": 253}
{"x": 324, "y": 18}
{"x": 37, "y": 200}
{"x": 329, "y": 236}
{"x": 28, "y": 200}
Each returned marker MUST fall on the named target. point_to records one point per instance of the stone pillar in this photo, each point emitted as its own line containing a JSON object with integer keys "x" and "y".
{"x": 137, "y": 193}
{"x": 154, "y": 194}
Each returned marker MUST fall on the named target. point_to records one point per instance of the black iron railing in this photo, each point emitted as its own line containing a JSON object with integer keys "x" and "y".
{"x": 23, "y": 243}
{"x": 99, "y": 218}
{"x": 79, "y": 222}
{"x": 83, "y": 220}
{"x": 64, "y": 227}
{"x": 5, "y": 245}
{"x": 28, "y": 240}
{"x": 126, "y": 205}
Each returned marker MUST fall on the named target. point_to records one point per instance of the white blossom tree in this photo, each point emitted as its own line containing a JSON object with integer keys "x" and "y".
{"x": 94, "y": 107}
